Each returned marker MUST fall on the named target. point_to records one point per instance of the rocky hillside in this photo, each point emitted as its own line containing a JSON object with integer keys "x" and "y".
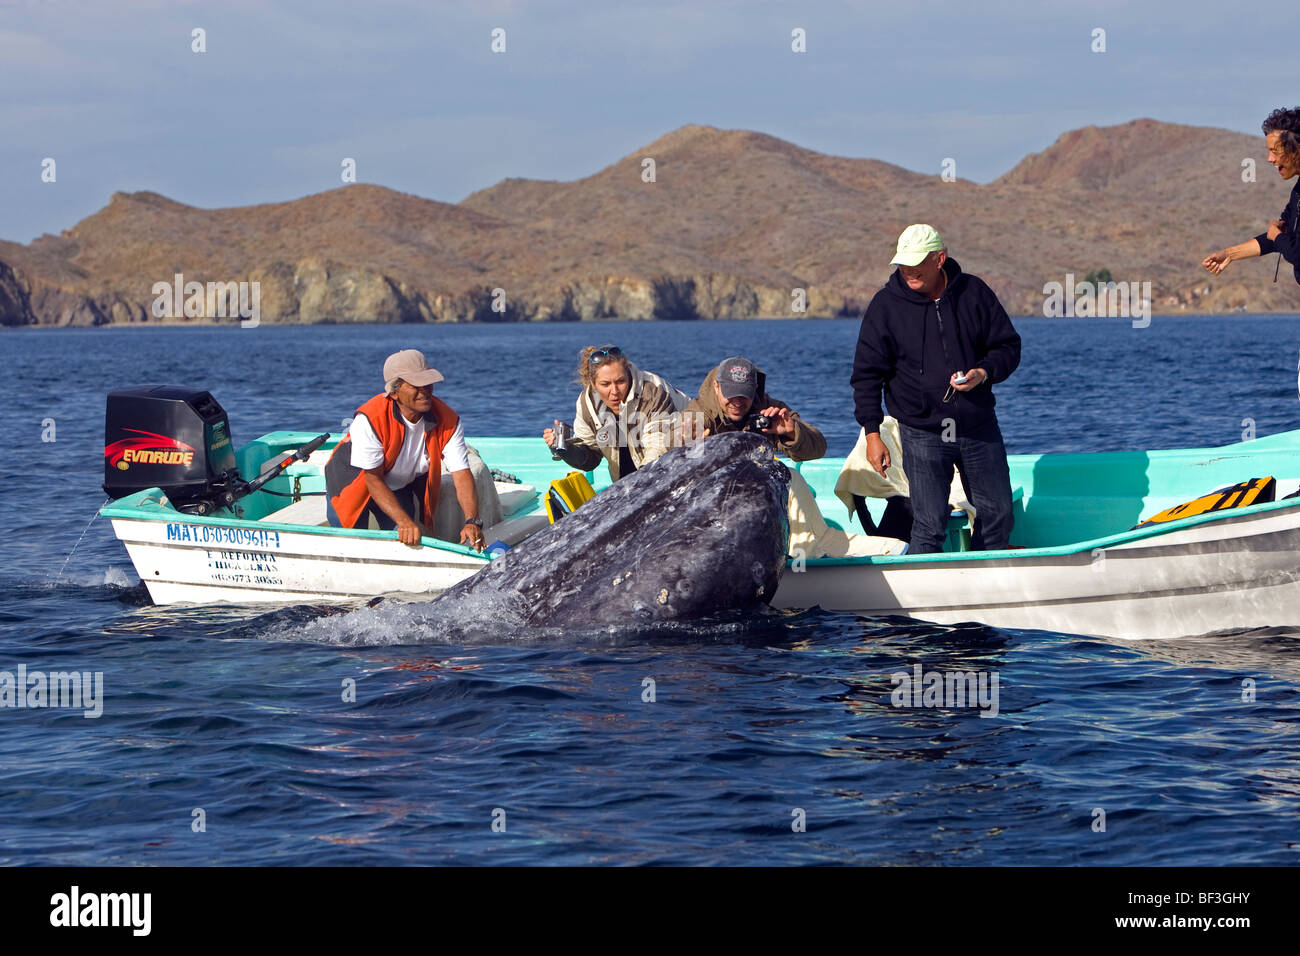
{"x": 734, "y": 222}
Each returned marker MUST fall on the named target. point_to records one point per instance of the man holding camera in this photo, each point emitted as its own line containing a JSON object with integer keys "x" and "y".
{"x": 733, "y": 399}
{"x": 933, "y": 341}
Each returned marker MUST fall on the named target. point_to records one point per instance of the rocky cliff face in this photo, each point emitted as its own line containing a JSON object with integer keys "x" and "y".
{"x": 15, "y": 304}
{"x": 735, "y": 225}
{"x": 315, "y": 291}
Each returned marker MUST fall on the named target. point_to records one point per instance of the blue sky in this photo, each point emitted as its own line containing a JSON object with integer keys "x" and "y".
{"x": 412, "y": 91}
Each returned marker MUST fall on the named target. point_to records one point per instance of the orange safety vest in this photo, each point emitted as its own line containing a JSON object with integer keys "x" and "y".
{"x": 386, "y": 419}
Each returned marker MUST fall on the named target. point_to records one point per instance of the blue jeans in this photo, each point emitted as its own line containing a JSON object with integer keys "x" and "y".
{"x": 981, "y": 459}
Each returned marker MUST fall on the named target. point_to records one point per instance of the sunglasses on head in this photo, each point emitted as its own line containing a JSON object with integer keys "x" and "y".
{"x": 601, "y": 356}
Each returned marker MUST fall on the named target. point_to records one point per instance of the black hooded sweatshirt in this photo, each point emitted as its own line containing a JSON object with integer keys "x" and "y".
{"x": 1287, "y": 242}
{"x": 909, "y": 346}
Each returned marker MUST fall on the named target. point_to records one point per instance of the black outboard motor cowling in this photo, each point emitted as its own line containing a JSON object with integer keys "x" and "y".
{"x": 168, "y": 437}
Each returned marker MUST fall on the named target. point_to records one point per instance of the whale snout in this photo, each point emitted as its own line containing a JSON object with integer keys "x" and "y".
{"x": 700, "y": 530}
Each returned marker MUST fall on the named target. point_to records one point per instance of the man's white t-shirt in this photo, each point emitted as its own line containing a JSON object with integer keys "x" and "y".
{"x": 413, "y": 459}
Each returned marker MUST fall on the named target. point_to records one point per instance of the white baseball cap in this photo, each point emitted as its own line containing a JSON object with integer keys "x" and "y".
{"x": 917, "y": 242}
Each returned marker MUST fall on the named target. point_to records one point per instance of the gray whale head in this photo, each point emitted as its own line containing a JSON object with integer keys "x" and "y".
{"x": 700, "y": 530}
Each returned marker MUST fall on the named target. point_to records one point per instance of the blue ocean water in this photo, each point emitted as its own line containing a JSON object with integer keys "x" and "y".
{"x": 235, "y": 716}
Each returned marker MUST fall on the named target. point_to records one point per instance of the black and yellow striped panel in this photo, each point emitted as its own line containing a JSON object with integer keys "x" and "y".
{"x": 1256, "y": 491}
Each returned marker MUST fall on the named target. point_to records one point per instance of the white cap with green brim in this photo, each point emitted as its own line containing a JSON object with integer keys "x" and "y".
{"x": 916, "y": 243}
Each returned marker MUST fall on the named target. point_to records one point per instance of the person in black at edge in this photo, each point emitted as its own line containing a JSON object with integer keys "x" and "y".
{"x": 1282, "y": 137}
{"x": 934, "y": 340}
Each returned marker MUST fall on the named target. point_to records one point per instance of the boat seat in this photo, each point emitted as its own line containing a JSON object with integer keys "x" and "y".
{"x": 959, "y": 525}
{"x": 515, "y": 498}
{"x": 515, "y": 529}
{"x": 320, "y": 457}
{"x": 306, "y": 511}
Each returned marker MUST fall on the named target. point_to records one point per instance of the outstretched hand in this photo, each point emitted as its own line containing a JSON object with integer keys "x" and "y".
{"x": 1216, "y": 262}
{"x": 691, "y": 428}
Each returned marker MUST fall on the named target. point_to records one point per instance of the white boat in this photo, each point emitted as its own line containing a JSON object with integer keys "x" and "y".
{"x": 1075, "y": 566}
{"x": 291, "y": 554}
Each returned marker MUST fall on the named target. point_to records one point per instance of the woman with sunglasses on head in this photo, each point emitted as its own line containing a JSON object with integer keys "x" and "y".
{"x": 623, "y": 414}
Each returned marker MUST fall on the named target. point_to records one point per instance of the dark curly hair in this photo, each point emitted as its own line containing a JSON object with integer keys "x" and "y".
{"x": 1286, "y": 122}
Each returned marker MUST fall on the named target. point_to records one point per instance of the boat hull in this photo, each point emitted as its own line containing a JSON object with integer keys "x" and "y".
{"x": 1219, "y": 574}
{"x": 203, "y": 563}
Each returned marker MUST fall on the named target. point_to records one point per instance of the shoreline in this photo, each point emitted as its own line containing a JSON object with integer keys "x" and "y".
{"x": 200, "y": 324}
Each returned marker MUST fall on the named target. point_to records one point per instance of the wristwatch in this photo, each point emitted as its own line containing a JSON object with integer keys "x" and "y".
{"x": 476, "y": 522}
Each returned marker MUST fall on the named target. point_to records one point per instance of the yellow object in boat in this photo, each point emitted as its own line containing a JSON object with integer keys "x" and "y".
{"x": 567, "y": 495}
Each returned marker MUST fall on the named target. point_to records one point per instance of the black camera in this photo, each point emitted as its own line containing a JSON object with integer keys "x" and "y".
{"x": 756, "y": 423}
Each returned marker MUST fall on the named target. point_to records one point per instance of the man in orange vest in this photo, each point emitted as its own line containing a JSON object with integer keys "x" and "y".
{"x": 388, "y": 468}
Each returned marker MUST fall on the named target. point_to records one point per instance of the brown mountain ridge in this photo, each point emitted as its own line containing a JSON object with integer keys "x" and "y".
{"x": 732, "y": 224}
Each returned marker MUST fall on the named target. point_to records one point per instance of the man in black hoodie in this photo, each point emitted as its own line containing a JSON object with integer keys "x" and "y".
{"x": 935, "y": 339}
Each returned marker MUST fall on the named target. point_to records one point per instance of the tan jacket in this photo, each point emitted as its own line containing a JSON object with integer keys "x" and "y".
{"x": 644, "y": 424}
{"x": 805, "y": 444}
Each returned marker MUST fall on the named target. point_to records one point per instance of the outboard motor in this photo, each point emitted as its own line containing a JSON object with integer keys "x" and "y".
{"x": 178, "y": 439}
{"x": 168, "y": 437}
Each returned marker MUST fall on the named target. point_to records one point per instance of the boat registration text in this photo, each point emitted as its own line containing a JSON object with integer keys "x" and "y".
{"x": 206, "y": 534}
